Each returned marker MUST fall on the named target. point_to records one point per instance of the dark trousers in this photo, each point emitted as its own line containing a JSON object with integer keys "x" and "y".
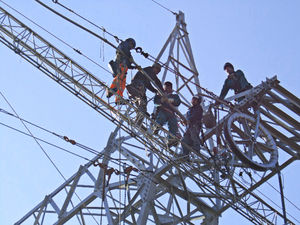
{"x": 191, "y": 139}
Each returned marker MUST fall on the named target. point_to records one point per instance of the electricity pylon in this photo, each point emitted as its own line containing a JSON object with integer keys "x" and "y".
{"x": 153, "y": 186}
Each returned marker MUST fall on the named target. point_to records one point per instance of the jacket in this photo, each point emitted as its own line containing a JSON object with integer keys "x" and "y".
{"x": 125, "y": 58}
{"x": 164, "y": 105}
{"x": 236, "y": 82}
{"x": 139, "y": 76}
{"x": 194, "y": 115}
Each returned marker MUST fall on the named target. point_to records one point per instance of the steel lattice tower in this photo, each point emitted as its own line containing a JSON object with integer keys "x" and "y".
{"x": 155, "y": 187}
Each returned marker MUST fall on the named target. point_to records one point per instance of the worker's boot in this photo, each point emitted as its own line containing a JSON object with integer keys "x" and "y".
{"x": 109, "y": 92}
{"x": 113, "y": 68}
{"x": 172, "y": 142}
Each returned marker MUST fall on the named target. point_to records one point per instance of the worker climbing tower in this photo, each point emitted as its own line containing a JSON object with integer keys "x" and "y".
{"x": 151, "y": 185}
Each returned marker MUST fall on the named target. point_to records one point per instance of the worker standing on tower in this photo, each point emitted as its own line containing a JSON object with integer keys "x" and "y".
{"x": 235, "y": 80}
{"x": 119, "y": 68}
{"x": 139, "y": 85}
{"x": 165, "y": 112}
{"x": 193, "y": 124}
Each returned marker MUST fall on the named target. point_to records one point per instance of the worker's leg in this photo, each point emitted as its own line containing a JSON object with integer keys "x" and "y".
{"x": 194, "y": 134}
{"x": 172, "y": 124}
{"x": 121, "y": 83}
{"x": 142, "y": 108}
{"x": 161, "y": 119}
{"x": 173, "y": 129}
{"x": 186, "y": 143}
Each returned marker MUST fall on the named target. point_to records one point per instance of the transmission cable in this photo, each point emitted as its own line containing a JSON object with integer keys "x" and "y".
{"x": 210, "y": 94}
{"x": 165, "y": 8}
{"x": 279, "y": 193}
{"x": 138, "y": 49}
{"x": 65, "y": 138}
{"x": 46, "y": 142}
{"x": 87, "y": 20}
{"x": 239, "y": 177}
{"x": 175, "y": 164}
{"x": 109, "y": 43}
{"x": 37, "y": 141}
{"x": 52, "y": 162}
{"x": 56, "y": 37}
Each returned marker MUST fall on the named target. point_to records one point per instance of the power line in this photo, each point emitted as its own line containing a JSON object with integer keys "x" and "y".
{"x": 279, "y": 193}
{"x": 240, "y": 177}
{"x": 210, "y": 94}
{"x": 49, "y": 158}
{"x": 165, "y": 7}
{"x": 87, "y": 20}
{"x": 65, "y": 138}
{"x": 153, "y": 59}
{"x": 56, "y": 37}
{"x": 46, "y": 142}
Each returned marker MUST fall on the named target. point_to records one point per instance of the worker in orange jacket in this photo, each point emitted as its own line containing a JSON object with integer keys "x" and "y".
{"x": 119, "y": 68}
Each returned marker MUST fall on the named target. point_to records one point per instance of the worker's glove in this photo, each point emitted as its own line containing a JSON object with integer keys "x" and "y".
{"x": 163, "y": 99}
{"x": 171, "y": 100}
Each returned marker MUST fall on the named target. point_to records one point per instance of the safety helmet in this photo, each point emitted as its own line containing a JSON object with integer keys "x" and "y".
{"x": 228, "y": 64}
{"x": 132, "y": 41}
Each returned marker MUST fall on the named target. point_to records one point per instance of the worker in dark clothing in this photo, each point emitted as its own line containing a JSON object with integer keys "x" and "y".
{"x": 165, "y": 112}
{"x": 193, "y": 124}
{"x": 236, "y": 81}
{"x": 119, "y": 68}
{"x": 139, "y": 85}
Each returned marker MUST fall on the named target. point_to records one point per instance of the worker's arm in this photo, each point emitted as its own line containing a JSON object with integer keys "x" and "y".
{"x": 225, "y": 90}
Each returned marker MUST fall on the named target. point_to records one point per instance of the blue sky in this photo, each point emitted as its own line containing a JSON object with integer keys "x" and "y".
{"x": 259, "y": 37}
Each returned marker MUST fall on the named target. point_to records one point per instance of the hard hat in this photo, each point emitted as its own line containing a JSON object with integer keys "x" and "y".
{"x": 132, "y": 41}
{"x": 228, "y": 64}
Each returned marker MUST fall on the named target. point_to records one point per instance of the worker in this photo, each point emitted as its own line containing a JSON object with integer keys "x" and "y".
{"x": 119, "y": 69}
{"x": 165, "y": 112}
{"x": 139, "y": 85}
{"x": 193, "y": 125}
{"x": 235, "y": 80}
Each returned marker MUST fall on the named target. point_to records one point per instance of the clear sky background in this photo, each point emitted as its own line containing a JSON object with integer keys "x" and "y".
{"x": 259, "y": 37}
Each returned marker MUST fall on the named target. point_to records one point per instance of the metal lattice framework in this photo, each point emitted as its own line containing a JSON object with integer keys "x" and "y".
{"x": 156, "y": 187}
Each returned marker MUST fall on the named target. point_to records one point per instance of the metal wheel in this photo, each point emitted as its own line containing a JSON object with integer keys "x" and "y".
{"x": 251, "y": 142}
